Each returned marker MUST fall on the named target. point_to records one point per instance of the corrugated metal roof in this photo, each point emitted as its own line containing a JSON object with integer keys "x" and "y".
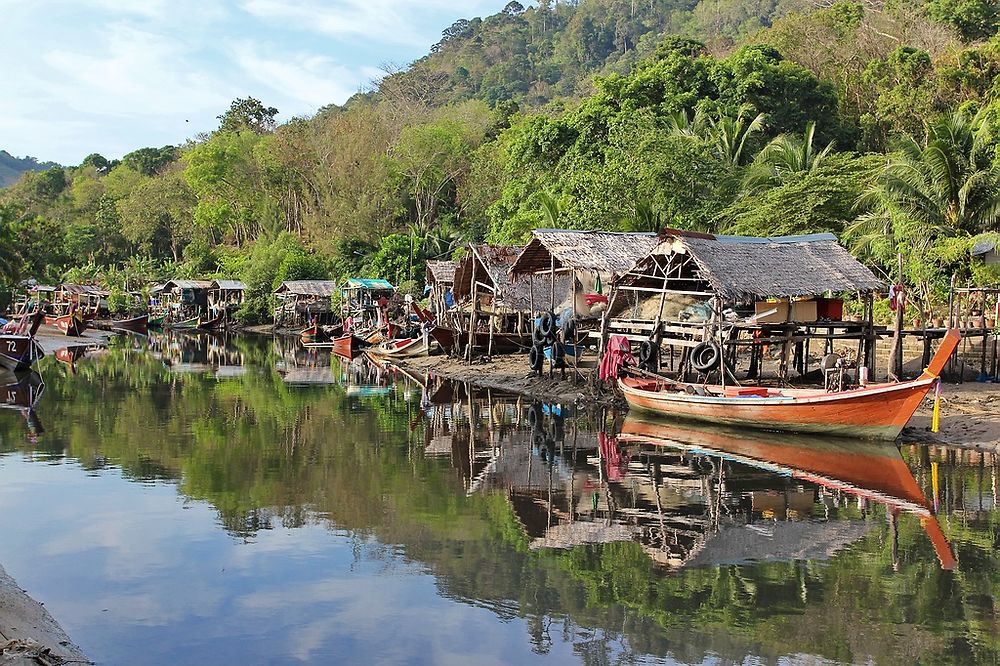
{"x": 368, "y": 283}
{"x": 188, "y": 284}
{"x": 229, "y": 285}
{"x": 323, "y": 288}
{"x": 78, "y": 289}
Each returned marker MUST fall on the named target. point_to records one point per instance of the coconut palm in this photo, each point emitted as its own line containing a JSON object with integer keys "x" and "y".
{"x": 783, "y": 156}
{"x": 730, "y": 135}
{"x": 942, "y": 187}
{"x": 550, "y": 210}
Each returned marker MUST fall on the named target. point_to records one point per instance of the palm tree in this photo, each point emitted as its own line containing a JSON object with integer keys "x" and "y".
{"x": 944, "y": 186}
{"x": 783, "y": 156}
{"x": 550, "y": 209}
{"x": 731, "y": 133}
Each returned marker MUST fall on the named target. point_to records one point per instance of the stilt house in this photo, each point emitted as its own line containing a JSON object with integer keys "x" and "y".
{"x": 593, "y": 258}
{"x": 299, "y": 301}
{"x": 226, "y": 295}
{"x": 440, "y": 280}
{"x": 743, "y": 291}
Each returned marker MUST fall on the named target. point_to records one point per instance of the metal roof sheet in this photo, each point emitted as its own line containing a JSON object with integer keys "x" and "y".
{"x": 229, "y": 285}
{"x": 368, "y": 283}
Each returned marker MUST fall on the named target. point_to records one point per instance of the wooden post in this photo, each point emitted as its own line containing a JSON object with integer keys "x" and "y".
{"x": 472, "y": 309}
{"x": 576, "y": 370}
{"x": 896, "y": 353}
{"x": 493, "y": 316}
{"x": 552, "y": 310}
{"x": 606, "y": 322}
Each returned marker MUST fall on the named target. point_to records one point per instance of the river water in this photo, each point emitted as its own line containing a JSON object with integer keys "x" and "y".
{"x": 197, "y": 500}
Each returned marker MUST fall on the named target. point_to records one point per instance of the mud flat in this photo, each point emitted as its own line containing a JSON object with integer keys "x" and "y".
{"x": 28, "y": 633}
{"x": 52, "y": 339}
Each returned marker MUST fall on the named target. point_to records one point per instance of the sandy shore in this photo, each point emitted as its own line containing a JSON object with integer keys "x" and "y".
{"x": 28, "y": 633}
{"x": 51, "y": 339}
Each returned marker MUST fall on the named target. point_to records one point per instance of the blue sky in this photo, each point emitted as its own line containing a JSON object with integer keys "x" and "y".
{"x": 109, "y": 76}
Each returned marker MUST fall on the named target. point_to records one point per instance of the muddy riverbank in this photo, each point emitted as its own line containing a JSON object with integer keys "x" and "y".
{"x": 970, "y": 412}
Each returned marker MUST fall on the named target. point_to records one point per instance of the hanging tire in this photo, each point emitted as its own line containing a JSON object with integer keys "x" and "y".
{"x": 537, "y": 337}
{"x": 559, "y": 354}
{"x": 706, "y": 357}
{"x": 645, "y": 351}
{"x": 569, "y": 330}
{"x": 547, "y": 324}
{"x": 536, "y": 356}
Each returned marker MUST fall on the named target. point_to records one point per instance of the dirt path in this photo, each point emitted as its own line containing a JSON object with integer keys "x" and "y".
{"x": 28, "y": 633}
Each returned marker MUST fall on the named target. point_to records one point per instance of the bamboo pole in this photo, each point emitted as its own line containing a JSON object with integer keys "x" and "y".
{"x": 472, "y": 310}
{"x": 896, "y": 354}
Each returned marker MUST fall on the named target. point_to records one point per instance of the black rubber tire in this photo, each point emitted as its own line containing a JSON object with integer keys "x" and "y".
{"x": 535, "y": 416}
{"x": 645, "y": 351}
{"x": 536, "y": 357}
{"x": 537, "y": 337}
{"x": 559, "y": 354}
{"x": 706, "y": 357}
{"x": 547, "y": 324}
{"x": 569, "y": 330}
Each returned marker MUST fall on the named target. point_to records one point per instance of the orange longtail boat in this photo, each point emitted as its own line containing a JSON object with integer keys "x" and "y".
{"x": 71, "y": 325}
{"x": 873, "y": 470}
{"x": 875, "y": 411}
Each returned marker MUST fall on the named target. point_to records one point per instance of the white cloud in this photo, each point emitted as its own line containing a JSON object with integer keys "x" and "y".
{"x": 307, "y": 80}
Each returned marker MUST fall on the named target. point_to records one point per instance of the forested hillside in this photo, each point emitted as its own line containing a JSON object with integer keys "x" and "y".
{"x": 872, "y": 120}
{"x": 12, "y": 167}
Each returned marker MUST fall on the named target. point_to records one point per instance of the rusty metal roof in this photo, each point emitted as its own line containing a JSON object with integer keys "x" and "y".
{"x": 229, "y": 285}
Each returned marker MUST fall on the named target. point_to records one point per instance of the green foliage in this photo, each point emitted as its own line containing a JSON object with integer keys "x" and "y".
{"x": 248, "y": 114}
{"x": 150, "y": 161}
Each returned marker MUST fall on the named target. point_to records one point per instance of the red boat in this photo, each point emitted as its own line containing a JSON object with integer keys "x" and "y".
{"x": 349, "y": 346}
{"x": 138, "y": 324}
{"x": 876, "y": 411}
{"x": 72, "y": 325}
{"x": 311, "y": 334}
{"x": 873, "y": 470}
{"x": 503, "y": 343}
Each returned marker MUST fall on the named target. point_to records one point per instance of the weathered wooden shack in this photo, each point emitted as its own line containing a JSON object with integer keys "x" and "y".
{"x": 593, "y": 258}
{"x": 484, "y": 287}
{"x": 365, "y": 301}
{"x": 84, "y": 297}
{"x": 743, "y": 291}
{"x": 226, "y": 295}
{"x": 301, "y": 301}
{"x": 440, "y": 280}
{"x": 183, "y": 298}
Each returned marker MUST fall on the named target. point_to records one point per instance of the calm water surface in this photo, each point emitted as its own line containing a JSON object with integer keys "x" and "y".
{"x": 192, "y": 500}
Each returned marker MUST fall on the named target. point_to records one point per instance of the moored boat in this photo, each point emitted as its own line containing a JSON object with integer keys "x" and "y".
{"x": 503, "y": 343}
{"x": 875, "y": 411}
{"x": 18, "y": 349}
{"x": 349, "y": 345}
{"x": 211, "y": 324}
{"x": 72, "y": 325}
{"x": 402, "y": 348}
{"x": 138, "y": 324}
{"x": 156, "y": 322}
{"x": 185, "y": 324}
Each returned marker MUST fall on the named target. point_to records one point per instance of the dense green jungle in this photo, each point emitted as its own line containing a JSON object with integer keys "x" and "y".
{"x": 259, "y": 451}
{"x": 875, "y": 120}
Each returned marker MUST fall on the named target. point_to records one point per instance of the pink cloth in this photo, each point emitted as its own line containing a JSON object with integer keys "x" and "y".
{"x": 616, "y": 464}
{"x": 617, "y": 355}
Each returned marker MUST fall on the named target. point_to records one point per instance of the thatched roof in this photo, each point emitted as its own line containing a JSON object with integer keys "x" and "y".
{"x": 744, "y": 268}
{"x": 441, "y": 272}
{"x": 495, "y": 261}
{"x": 194, "y": 285}
{"x": 606, "y": 252}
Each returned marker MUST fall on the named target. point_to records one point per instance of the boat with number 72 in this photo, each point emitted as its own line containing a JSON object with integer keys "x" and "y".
{"x": 874, "y": 411}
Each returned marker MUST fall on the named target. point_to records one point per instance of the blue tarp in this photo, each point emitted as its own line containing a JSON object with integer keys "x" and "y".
{"x": 368, "y": 283}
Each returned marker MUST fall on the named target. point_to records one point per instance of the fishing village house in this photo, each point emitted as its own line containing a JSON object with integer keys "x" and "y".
{"x": 440, "y": 279}
{"x": 744, "y": 292}
{"x": 299, "y": 301}
{"x": 226, "y": 295}
{"x": 182, "y": 298}
{"x": 84, "y": 297}
{"x": 365, "y": 301}
{"x": 590, "y": 260}
{"x": 489, "y": 301}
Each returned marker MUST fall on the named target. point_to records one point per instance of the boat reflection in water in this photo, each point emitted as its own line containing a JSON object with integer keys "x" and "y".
{"x": 689, "y": 497}
{"x": 21, "y": 392}
{"x": 198, "y": 352}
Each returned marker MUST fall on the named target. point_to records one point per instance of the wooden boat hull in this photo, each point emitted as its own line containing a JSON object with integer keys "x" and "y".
{"x": 156, "y": 322}
{"x": 186, "y": 324}
{"x": 70, "y": 325}
{"x": 873, "y": 412}
{"x": 214, "y": 324}
{"x": 405, "y": 348}
{"x": 134, "y": 325}
{"x": 311, "y": 334}
{"x": 19, "y": 352}
{"x": 349, "y": 346}
{"x": 503, "y": 343}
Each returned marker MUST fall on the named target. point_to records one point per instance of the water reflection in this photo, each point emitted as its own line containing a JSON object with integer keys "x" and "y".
{"x": 390, "y": 499}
